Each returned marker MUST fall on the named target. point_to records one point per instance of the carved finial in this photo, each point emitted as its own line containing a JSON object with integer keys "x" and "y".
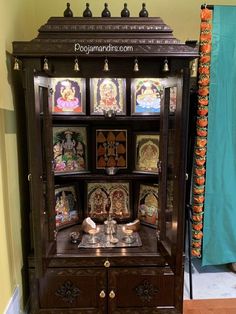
{"x": 87, "y": 12}
{"x": 68, "y": 12}
{"x": 143, "y": 12}
{"x": 106, "y": 12}
{"x": 125, "y": 12}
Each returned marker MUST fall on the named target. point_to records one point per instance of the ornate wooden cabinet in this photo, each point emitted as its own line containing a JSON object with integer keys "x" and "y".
{"x": 104, "y": 95}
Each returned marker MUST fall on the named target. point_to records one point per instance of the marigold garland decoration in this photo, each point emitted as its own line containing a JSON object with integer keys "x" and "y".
{"x": 201, "y": 137}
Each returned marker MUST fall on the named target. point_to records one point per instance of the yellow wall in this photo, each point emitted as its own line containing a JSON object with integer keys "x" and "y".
{"x": 19, "y": 20}
{"x": 15, "y": 18}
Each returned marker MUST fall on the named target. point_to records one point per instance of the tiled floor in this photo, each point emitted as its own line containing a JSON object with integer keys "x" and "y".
{"x": 210, "y": 282}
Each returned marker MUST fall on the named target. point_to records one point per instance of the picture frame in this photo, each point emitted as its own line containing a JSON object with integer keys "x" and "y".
{"x": 146, "y": 96}
{"x": 68, "y": 95}
{"x": 107, "y": 96}
{"x": 148, "y": 204}
{"x": 70, "y": 153}
{"x": 68, "y": 210}
{"x": 104, "y": 198}
{"x": 111, "y": 148}
{"x": 146, "y": 152}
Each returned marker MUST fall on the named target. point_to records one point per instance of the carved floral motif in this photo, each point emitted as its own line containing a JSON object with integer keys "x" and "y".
{"x": 145, "y": 291}
{"x": 68, "y": 292}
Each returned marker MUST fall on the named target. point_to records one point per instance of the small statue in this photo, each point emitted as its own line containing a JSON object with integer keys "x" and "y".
{"x": 125, "y": 12}
{"x": 87, "y": 12}
{"x": 143, "y": 12}
{"x": 106, "y": 12}
{"x": 68, "y": 12}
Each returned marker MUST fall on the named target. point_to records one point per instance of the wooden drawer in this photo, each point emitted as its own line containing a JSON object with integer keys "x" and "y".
{"x": 140, "y": 288}
{"x": 73, "y": 288}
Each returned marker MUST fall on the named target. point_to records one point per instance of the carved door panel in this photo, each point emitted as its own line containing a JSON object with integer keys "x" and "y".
{"x": 66, "y": 288}
{"x": 140, "y": 290}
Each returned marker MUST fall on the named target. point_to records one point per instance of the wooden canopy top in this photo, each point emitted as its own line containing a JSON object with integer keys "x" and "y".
{"x": 115, "y": 36}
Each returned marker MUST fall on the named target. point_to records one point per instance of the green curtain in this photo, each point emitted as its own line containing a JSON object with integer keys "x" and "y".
{"x": 219, "y": 242}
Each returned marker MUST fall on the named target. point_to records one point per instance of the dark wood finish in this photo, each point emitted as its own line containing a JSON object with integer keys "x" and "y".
{"x": 48, "y": 157}
{"x": 148, "y": 288}
{"x": 43, "y": 245}
{"x": 64, "y": 278}
{"x": 148, "y": 37}
{"x": 73, "y": 288}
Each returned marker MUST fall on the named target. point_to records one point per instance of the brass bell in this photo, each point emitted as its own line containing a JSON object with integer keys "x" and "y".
{"x": 166, "y": 66}
{"x": 76, "y": 65}
{"x": 136, "y": 67}
{"x": 106, "y": 66}
{"x": 45, "y": 64}
{"x": 193, "y": 70}
{"x": 16, "y": 65}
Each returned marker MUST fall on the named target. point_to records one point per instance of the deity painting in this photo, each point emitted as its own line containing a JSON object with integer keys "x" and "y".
{"x": 173, "y": 98}
{"x": 68, "y": 95}
{"x": 148, "y": 204}
{"x": 147, "y": 94}
{"x": 108, "y": 95}
{"x": 111, "y": 148}
{"x": 69, "y": 149}
{"x": 105, "y": 199}
{"x": 66, "y": 207}
{"x": 147, "y": 152}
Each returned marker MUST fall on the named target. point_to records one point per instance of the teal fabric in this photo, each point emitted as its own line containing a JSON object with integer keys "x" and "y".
{"x": 219, "y": 242}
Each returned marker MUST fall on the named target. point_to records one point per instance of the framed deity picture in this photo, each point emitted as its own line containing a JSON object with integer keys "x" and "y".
{"x": 148, "y": 204}
{"x": 107, "y": 95}
{"x": 67, "y": 95}
{"x": 146, "y": 152}
{"x": 70, "y": 149}
{"x": 67, "y": 206}
{"x": 146, "y": 96}
{"x": 105, "y": 198}
{"x": 111, "y": 148}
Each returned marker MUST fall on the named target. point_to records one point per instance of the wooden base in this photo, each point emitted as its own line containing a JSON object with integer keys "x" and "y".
{"x": 111, "y": 280}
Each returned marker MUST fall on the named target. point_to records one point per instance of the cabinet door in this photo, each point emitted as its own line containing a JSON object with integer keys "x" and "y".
{"x": 172, "y": 178}
{"x": 81, "y": 289}
{"x": 140, "y": 290}
{"x": 40, "y": 176}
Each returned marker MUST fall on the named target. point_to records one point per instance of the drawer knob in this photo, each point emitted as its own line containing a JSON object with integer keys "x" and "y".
{"x": 107, "y": 264}
{"x": 112, "y": 294}
{"x": 102, "y": 294}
